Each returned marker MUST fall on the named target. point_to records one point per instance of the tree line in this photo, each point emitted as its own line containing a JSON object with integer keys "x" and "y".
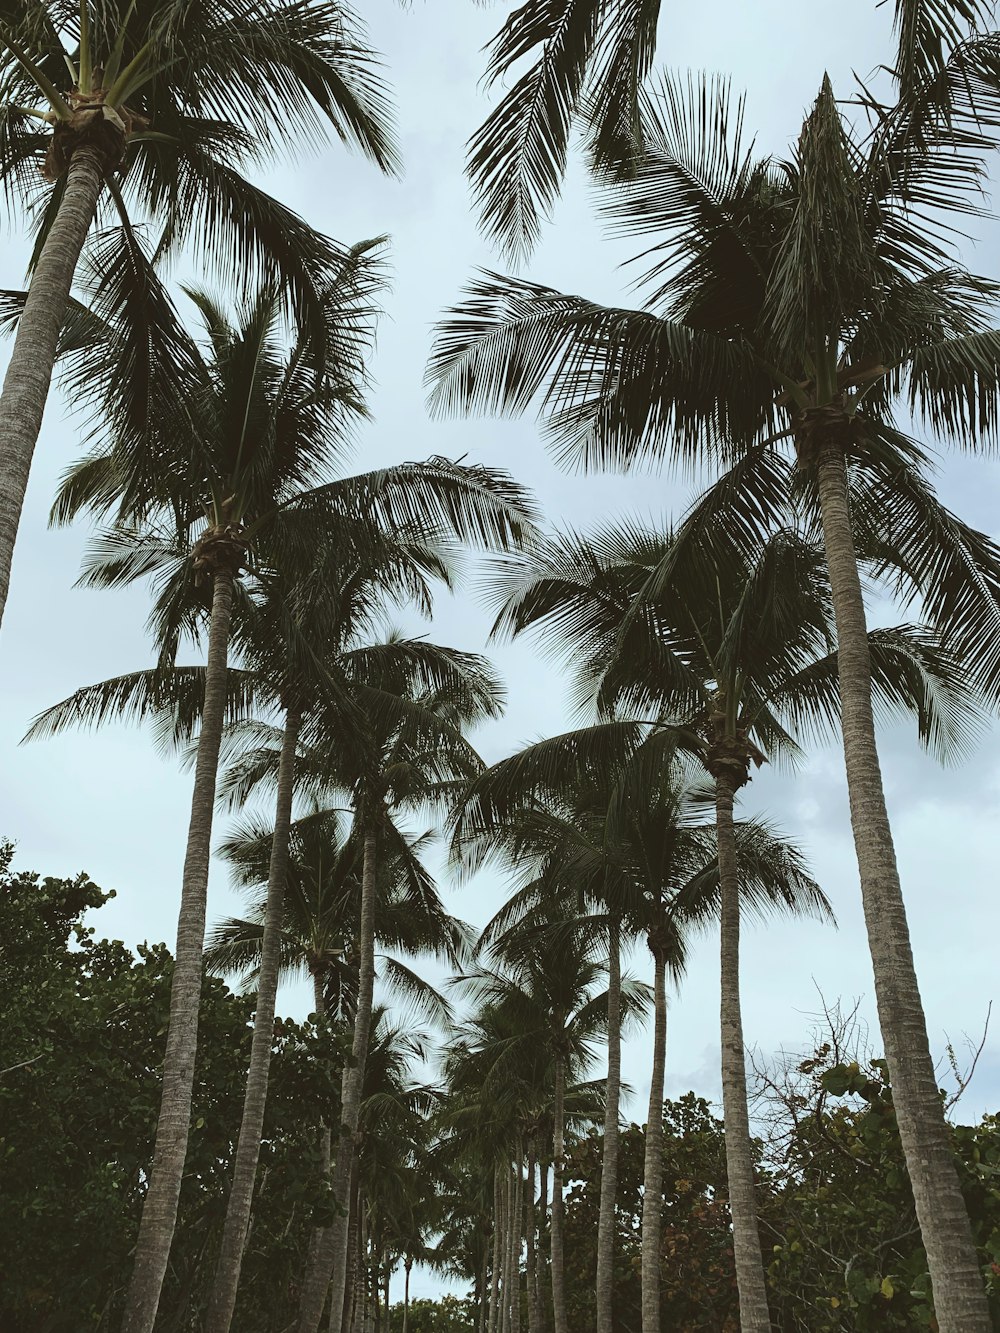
{"x": 797, "y": 315}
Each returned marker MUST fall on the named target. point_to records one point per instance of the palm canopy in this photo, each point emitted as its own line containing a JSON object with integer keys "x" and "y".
{"x": 583, "y": 65}
{"x": 606, "y": 816}
{"x": 501, "y": 1063}
{"x": 198, "y": 95}
{"x": 694, "y": 628}
{"x": 246, "y": 434}
{"x": 777, "y": 292}
{"x": 321, "y": 906}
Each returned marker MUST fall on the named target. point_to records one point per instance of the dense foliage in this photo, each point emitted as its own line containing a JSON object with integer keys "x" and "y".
{"x": 79, "y": 1092}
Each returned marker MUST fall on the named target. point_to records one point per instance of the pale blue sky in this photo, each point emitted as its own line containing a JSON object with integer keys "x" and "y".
{"x": 107, "y": 804}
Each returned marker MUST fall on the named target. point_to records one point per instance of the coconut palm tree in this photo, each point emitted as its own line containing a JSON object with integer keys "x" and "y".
{"x": 736, "y": 650}
{"x": 800, "y": 301}
{"x": 296, "y": 625}
{"x": 409, "y": 704}
{"x": 612, "y": 814}
{"x": 531, "y": 1037}
{"x": 251, "y": 444}
{"x": 587, "y": 61}
{"x": 141, "y": 127}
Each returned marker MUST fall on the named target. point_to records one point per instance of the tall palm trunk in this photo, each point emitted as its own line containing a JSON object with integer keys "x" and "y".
{"x": 483, "y": 1284}
{"x": 234, "y": 1232}
{"x": 959, "y": 1298}
{"x": 406, "y": 1295}
{"x": 316, "y": 1238}
{"x": 330, "y": 1268}
{"x": 497, "y": 1255}
{"x": 516, "y": 1237}
{"x": 609, "y": 1159}
{"x": 29, "y": 372}
{"x": 652, "y": 1178}
{"x": 556, "y": 1258}
{"x": 543, "y": 1217}
{"x": 159, "y": 1209}
{"x": 531, "y": 1267}
{"x": 754, "y": 1315}
{"x": 347, "y": 1314}
{"x": 508, "y": 1244}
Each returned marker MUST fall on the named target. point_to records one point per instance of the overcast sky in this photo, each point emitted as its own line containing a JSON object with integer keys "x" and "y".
{"x": 107, "y": 804}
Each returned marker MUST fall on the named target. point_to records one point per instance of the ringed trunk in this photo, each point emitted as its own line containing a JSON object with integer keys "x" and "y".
{"x": 959, "y": 1297}
{"x": 159, "y": 1209}
{"x": 754, "y": 1314}
{"x": 406, "y": 1297}
{"x": 531, "y": 1277}
{"x": 507, "y": 1248}
{"x": 29, "y": 372}
{"x": 556, "y": 1258}
{"x": 330, "y": 1269}
{"x": 516, "y": 1235}
{"x": 497, "y": 1255}
{"x": 234, "y": 1232}
{"x": 540, "y": 1249}
{"x": 652, "y": 1179}
{"x": 609, "y": 1160}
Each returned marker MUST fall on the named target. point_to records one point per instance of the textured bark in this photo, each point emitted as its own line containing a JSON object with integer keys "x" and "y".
{"x": 347, "y": 1313}
{"x": 609, "y": 1158}
{"x": 159, "y": 1209}
{"x": 497, "y": 1253}
{"x": 754, "y": 1315}
{"x": 330, "y": 1268}
{"x": 508, "y": 1192}
{"x": 406, "y": 1297}
{"x": 316, "y": 1238}
{"x": 543, "y": 1217}
{"x": 234, "y": 1231}
{"x": 516, "y": 1238}
{"x": 29, "y": 372}
{"x": 959, "y": 1297}
{"x": 556, "y": 1259}
{"x": 531, "y": 1267}
{"x": 652, "y": 1178}
{"x": 483, "y": 1284}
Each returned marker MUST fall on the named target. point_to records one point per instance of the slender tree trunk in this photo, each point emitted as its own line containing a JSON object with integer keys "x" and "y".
{"x": 484, "y": 1280}
{"x": 29, "y": 372}
{"x": 159, "y": 1209}
{"x": 352, "y": 1251}
{"x": 543, "y": 1217}
{"x": 652, "y": 1180}
{"x": 505, "y": 1279}
{"x": 406, "y": 1296}
{"x": 330, "y": 1270}
{"x": 609, "y": 1160}
{"x": 754, "y": 1315}
{"x": 234, "y": 1232}
{"x": 959, "y": 1298}
{"x": 316, "y": 1237}
{"x": 497, "y": 1252}
{"x": 531, "y": 1273}
{"x": 557, "y": 1261}
{"x": 517, "y": 1229}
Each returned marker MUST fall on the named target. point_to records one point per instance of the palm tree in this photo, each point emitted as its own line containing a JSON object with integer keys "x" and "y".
{"x": 399, "y": 747}
{"x": 297, "y": 627}
{"x": 142, "y": 125}
{"x": 531, "y": 1037}
{"x": 254, "y": 434}
{"x": 588, "y": 61}
{"x": 616, "y": 822}
{"x": 323, "y": 872}
{"x": 799, "y": 301}
{"x": 734, "y": 649}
